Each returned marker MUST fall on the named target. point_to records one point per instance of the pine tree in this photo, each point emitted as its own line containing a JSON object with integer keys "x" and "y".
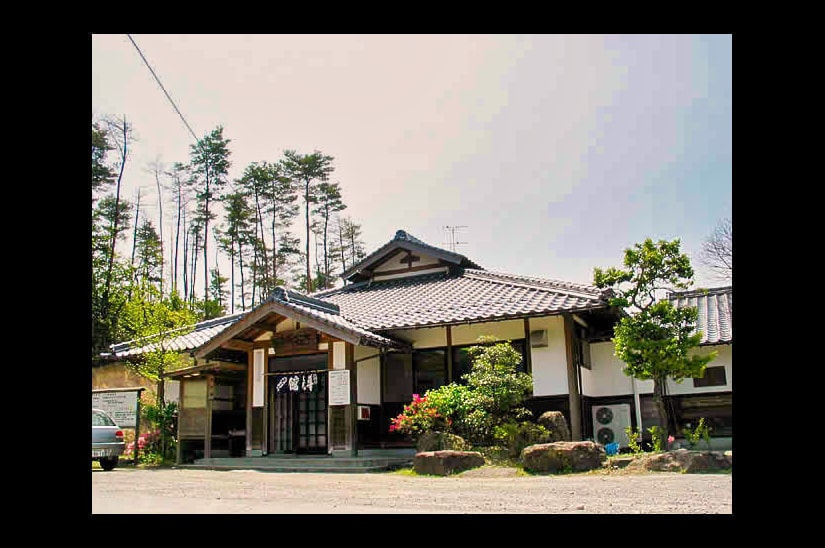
{"x": 328, "y": 202}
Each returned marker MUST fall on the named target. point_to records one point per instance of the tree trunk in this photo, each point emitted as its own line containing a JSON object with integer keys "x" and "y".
{"x": 105, "y": 299}
{"x": 341, "y": 246}
{"x": 185, "y": 258}
{"x": 177, "y": 239}
{"x": 661, "y": 409}
{"x": 306, "y": 202}
{"x": 232, "y": 275}
{"x": 326, "y": 253}
{"x": 240, "y": 263}
{"x": 160, "y": 227}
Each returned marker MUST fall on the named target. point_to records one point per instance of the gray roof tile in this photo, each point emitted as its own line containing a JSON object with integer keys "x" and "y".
{"x": 715, "y": 307}
{"x": 465, "y": 295}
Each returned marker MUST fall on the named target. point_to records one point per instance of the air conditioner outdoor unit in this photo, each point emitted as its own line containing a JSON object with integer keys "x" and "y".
{"x": 538, "y": 338}
{"x": 609, "y": 422}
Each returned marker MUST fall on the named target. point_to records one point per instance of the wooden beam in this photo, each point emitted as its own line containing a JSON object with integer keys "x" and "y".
{"x": 207, "y": 438}
{"x": 235, "y": 329}
{"x": 572, "y": 381}
{"x": 236, "y": 344}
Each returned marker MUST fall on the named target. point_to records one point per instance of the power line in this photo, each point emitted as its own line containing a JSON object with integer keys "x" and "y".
{"x": 163, "y": 88}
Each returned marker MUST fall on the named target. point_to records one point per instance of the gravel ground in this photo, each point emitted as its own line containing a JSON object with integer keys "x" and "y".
{"x": 481, "y": 491}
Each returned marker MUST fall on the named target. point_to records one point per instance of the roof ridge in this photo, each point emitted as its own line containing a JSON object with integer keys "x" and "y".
{"x": 540, "y": 282}
{"x": 212, "y": 322}
{"x": 701, "y": 291}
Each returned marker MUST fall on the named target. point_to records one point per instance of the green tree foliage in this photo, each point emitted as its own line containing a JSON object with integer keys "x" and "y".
{"x": 210, "y": 167}
{"x": 102, "y": 174}
{"x": 655, "y": 341}
{"x": 491, "y": 399}
{"x": 148, "y": 254}
{"x": 328, "y": 202}
{"x": 306, "y": 171}
{"x": 149, "y": 320}
{"x": 281, "y": 209}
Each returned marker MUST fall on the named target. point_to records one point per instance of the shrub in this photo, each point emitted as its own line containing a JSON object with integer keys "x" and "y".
{"x": 700, "y": 432}
{"x": 518, "y": 435}
{"x": 418, "y": 417}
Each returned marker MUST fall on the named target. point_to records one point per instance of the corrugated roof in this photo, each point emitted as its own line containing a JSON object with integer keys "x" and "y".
{"x": 193, "y": 337}
{"x": 463, "y": 295}
{"x": 715, "y": 308}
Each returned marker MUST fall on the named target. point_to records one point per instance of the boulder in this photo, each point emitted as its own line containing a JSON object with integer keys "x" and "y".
{"x": 441, "y": 441}
{"x": 556, "y": 424}
{"x": 444, "y": 463}
{"x": 683, "y": 460}
{"x": 563, "y": 456}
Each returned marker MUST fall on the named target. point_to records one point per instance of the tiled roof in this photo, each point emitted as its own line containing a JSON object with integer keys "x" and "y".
{"x": 465, "y": 295}
{"x": 715, "y": 312}
{"x": 193, "y": 337}
{"x": 325, "y": 312}
{"x": 399, "y": 240}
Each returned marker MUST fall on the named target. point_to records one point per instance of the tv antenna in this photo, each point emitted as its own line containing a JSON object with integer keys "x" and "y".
{"x": 450, "y": 232}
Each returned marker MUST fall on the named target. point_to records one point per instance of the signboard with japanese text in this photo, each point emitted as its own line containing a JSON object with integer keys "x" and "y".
{"x": 339, "y": 387}
{"x": 120, "y": 404}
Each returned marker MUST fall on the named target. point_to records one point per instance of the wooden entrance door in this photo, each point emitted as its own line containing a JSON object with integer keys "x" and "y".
{"x": 298, "y": 418}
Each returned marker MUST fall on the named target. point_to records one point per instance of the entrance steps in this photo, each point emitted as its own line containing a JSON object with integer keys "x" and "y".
{"x": 368, "y": 460}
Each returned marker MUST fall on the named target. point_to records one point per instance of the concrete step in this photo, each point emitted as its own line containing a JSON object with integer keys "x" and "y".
{"x": 285, "y": 463}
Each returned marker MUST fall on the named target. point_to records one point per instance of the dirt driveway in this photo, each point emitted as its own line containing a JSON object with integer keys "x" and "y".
{"x": 487, "y": 490}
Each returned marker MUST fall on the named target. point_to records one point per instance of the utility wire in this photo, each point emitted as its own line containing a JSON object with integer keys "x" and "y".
{"x": 163, "y": 88}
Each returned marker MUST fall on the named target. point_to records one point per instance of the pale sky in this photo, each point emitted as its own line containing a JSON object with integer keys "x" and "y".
{"x": 556, "y": 152}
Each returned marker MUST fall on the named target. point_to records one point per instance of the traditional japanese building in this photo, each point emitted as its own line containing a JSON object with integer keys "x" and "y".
{"x": 325, "y": 373}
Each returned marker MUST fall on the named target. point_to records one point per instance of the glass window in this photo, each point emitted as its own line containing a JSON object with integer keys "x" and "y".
{"x": 397, "y": 377}
{"x": 430, "y": 368}
{"x": 714, "y": 376}
{"x": 462, "y": 361}
{"x": 101, "y": 419}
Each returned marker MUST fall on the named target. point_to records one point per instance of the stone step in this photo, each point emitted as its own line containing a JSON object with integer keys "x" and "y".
{"x": 294, "y": 469}
{"x": 282, "y": 463}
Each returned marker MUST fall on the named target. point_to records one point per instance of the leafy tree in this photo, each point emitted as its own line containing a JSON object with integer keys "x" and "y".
{"x": 717, "y": 250}
{"x": 210, "y": 166}
{"x": 281, "y": 207}
{"x": 328, "y": 202}
{"x": 306, "y": 171}
{"x": 492, "y": 397}
{"x": 102, "y": 174}
{"x": 149, "y": 254}
{"x": 654, "y": 342}
{"x": 149, "y": 320}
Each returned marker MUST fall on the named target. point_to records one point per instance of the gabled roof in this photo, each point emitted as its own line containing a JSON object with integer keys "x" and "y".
{"x": 715, "y": 308}
{"x": 403, "y": 240}
{"x": 464, "y": 295}
{"x": 192, "y": 337}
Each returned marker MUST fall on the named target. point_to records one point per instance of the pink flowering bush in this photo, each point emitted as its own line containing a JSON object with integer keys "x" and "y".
{"x": 147, "y": 443}
{"x": 418, "y": 417}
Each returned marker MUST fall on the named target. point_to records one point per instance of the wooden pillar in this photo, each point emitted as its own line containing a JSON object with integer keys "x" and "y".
{"x": 527, "y": 348}
{"x": 207, "y": 436}
{"x": 449, "y": 354}
{"x": 572, "y": 381}
{"x": 249, "y": 372}
{"x": 352, "y": 367}
{"x": 179, "y": 449}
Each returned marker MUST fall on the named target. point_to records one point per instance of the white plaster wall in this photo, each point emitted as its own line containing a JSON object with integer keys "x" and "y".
{"x": 395, "y": 262}
{"x": 549, "y": 362}
{"x": 423, "y": 338}
{"x": 504, "y": 330}
{"x": 724, "y": 358}
{"x": 432, "y": 270}
{"x": 606, "y": 377}
{"x": 369, "y": 382}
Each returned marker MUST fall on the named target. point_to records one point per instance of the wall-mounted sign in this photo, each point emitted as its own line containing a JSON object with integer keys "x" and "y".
{"x": 339, "y": 389}
{"x": 120, "y": 404}
{"x": 295, "y": 382}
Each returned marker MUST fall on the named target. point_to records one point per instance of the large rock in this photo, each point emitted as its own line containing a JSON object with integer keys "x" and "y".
{"x": 441, "y": 441}
{"x": 444, "y": 463}
{"x": 683, "y": 460}
{"x": 563, "y": 456}
{"x": 556, "y": 424}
